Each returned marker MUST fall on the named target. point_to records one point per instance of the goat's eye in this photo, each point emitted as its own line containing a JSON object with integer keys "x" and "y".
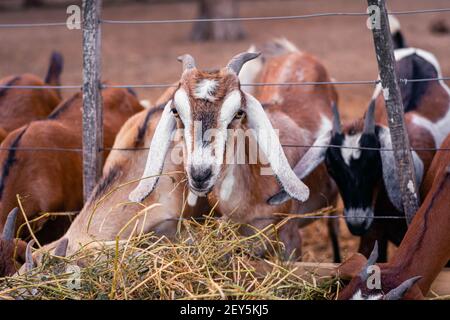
{"x": 174, "y": 112}
{"x": 239, "y": 115}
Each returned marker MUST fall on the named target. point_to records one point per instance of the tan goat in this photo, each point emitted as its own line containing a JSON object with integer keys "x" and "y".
{"x": 52, "y": 181}
{"x": 109, "y": 210}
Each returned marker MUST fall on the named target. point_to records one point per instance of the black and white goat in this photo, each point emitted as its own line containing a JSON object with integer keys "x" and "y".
{"x": 365, "y": 176}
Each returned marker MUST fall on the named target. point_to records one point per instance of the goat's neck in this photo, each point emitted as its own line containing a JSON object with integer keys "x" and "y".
{"x": 426, "y": 247}
{"x": 241, "y": 188}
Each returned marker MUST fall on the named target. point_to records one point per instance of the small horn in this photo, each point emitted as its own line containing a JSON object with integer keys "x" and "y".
{"x": 369, "y": 120}
{"x": 370, "y": 262}
{"x": 10, "y": 225}
{"x": 399, "y": 292}
{"x": 336, "y": 120}
{"x": 29, "y": 263}
{"x": 238, "y": 61}
{"x": 188, "y": 61}
{"x": 61, "y": 248}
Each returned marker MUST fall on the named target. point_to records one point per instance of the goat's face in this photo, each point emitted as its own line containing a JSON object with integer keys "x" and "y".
{"x": 205, "y": 106}
{"x": 357, "y": 171}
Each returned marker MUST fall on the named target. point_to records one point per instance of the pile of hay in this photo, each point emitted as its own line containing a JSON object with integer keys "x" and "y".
{"x": 209, "y": 260}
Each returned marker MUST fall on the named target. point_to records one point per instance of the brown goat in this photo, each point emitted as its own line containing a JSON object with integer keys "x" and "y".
{"x": 422, "y": 254}
{"x": 52, "y": 181}
{"x": 20, "y": 106}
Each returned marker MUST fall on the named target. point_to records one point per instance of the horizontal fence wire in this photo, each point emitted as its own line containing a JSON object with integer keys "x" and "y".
{"x": 297, "y": 217}
{"x": 156, "y": 85}
{"x": 31, "y": 25}
{"x": 402, "y": 81}
{"x": 44, "y": 87}
{"x": 268, "y": 18}
{"x": 276, "y": 217}
{"x": 271, "y": 18}
{"x": 46, "y": 149}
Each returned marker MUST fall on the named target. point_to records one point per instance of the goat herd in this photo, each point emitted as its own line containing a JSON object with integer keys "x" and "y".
{"x": 181, "y": 165}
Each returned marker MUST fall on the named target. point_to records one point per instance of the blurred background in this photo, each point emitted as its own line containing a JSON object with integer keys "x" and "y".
{"x": 144, "y": 54}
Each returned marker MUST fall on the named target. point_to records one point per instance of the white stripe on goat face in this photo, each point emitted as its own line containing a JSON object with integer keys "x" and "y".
{"x": 205, "y": 150}
{"x": 230, "y": 106}
{"x": 205, "y": 90}
{"x": 350, "y": 147}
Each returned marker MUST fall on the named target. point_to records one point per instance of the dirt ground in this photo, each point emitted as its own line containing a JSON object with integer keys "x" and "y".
{"x": 143, "y": 54}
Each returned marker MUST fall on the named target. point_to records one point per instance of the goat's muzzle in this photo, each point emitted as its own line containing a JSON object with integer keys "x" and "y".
{"x": 200, "y": 179}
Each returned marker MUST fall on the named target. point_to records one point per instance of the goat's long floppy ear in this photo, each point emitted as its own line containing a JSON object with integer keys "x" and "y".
{"x": 389, "y": 173}
{"x": 155, "y": 161}
{"x": 312, "y": 158}
{"x": 270, "y": 145}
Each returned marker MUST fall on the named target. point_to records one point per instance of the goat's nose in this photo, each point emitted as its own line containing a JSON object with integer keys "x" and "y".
{"x": 358, "y": 220}
{"x": 200, "y": 176}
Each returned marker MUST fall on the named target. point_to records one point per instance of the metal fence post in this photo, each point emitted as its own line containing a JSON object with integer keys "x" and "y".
{"x": 394, "y": 105}
{"x": 92, "y": 99}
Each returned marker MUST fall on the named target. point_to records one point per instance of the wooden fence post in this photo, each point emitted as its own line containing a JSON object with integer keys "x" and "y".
{"x": 92, "y": 98}
{"x": 394, "y": 105}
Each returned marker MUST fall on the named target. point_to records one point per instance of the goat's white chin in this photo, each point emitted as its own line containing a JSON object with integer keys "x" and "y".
{"x": 199, "y": 193}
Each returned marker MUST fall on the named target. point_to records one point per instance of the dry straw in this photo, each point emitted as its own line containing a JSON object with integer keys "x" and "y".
{"x": 207, "y": 260}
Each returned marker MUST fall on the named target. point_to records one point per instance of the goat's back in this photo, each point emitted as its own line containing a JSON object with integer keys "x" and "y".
{"x": 52, "y": 180}
{"x": 20, "y": 106}
{"x": 303, "y": 103}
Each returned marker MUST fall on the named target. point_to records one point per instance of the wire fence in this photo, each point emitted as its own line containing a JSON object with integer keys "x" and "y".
{"x": 402, "y": 81}
{"x": 298, "y": 217}
{"x": 240, "y": 19}
{"x": 261, "y": 18}
{"x": 326, "y": 146}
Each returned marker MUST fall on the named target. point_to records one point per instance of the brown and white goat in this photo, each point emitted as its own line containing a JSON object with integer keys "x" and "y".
{"x": 113, "y": 212}
{"x": 20, "y": 106}
{"x": 366, "y": 178}
{"x": 52, "y": 181}
{"x": 213, "y": 113}
{"x": 423, "y": 252}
